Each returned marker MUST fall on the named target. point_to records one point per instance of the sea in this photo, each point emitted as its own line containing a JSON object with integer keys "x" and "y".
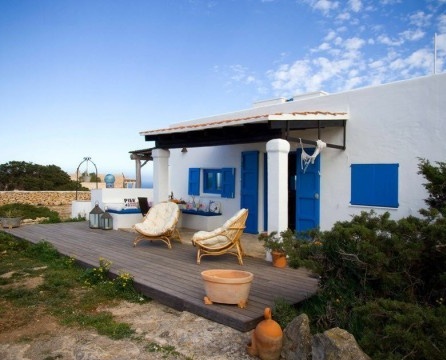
{"x": 147, "y": 184}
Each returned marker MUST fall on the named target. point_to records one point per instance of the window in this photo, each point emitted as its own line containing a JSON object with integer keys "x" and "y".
{"x": 215, "y": 181}
{"x": 212, "y": 181}
{"x": 374, "y": 185}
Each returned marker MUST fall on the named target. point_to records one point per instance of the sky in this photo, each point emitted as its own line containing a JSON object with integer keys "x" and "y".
{"x": 82, "y": 78}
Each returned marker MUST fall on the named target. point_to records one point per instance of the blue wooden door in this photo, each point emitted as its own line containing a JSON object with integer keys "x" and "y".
{"x": 307, "y": 193}
{"x": 249, "y": 189}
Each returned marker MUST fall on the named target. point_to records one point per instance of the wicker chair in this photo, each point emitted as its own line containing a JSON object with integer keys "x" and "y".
{"x": 223, "y": 240}
{"x": 159, "y": 224}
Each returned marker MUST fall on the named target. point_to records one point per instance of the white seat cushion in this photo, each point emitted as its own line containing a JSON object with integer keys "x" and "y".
{"x": 161, "y": 218}
{"x": 231, "y": 221}
{"x": 216, "y": 238}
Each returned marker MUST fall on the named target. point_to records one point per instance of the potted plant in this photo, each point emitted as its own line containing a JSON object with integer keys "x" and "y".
{"x": 277, "y": 246}
{"x": 11, "y": 218}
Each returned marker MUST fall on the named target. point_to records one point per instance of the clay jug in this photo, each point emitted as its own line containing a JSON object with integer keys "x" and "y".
{"x": 266, "y": 340}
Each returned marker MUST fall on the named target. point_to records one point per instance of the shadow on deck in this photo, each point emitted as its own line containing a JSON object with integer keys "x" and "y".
{"x": 172, "y": 277}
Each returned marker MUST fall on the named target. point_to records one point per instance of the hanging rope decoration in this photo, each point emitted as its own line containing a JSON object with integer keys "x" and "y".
{"x": 306, "y": 159}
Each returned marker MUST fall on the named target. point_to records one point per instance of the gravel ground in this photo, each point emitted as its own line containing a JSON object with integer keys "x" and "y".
{"x": 160, "y": 333}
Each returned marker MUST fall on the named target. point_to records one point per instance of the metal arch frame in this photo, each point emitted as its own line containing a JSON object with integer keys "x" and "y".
{"x": 86, "y": 159}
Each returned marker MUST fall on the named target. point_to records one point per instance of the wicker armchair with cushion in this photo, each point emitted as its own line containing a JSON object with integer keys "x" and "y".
{"x": 159, "y": 224}
{"x": 223, "y": 240}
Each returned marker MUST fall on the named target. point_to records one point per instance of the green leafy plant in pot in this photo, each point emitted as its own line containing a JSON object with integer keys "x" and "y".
{"x": 277, "y": 245}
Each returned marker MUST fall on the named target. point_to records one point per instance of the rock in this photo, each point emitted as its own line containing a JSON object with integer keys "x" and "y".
{"x": 336, "y": 344}
{"x": 297, "y": 339}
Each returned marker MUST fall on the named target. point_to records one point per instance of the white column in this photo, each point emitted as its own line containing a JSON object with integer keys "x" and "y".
{"x": 277, "y": 150}
{"x": 160, "y": 175}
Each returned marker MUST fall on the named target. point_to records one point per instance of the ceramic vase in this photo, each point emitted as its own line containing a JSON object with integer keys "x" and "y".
{"x": 266, "y": 340}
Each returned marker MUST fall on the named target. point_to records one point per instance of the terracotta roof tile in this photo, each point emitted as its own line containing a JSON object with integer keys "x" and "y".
{"x": 237, "y": 121}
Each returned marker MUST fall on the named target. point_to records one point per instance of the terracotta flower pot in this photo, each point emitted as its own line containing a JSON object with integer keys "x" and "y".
{"x": 227, "y": 286}
{"x": 279, "y": 259}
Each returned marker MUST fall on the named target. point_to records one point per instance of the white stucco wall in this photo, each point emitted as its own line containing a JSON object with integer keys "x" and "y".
{"x": 208, "y": 158}
{"x": 394, "y": 123}
{"x": 115, "y": 196}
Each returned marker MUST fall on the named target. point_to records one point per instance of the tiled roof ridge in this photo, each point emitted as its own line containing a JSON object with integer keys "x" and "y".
{"x": 228, "y": 121}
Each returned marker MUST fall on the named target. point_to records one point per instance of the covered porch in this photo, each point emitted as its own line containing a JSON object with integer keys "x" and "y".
{"x": 272, "y": 131}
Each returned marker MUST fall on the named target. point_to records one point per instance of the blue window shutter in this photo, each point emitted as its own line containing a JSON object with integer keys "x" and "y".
{"x": 386, "y": 184}
{"x": 228, "y": 183}
{"x": 362, "y": 183}
{"x": 194, "y": 181}
{"x": 374, "y": 185}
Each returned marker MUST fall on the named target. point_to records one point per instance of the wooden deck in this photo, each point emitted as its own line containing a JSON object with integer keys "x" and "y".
{"x": 172, "y": 277}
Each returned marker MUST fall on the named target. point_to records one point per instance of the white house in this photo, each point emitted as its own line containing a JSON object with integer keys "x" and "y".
{"x": 371, "y": 140}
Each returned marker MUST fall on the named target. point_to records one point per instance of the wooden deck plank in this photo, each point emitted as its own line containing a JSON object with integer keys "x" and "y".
{"x": 172, "y": 276}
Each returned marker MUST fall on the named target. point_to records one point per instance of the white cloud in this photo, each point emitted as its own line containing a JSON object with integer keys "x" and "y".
{"x": 315, "y": 74}
{"x": 250, "y": 79}
{"x": 324, "y": 6}
{"x": 330, "y": 36}
{"x": 442, "y": 23}
{"x": 376, "y": 64}
{"x": 420, "y": 19}
{"x": 338, "y": 40}
{"x": 441, "y": 53}
{"x": 412, "y": 35}
{"x": 354, "y": 43}
{"x": 355, "y": 5}
{"x": 390, "y": 2}
{"x": 441, "y": 43}
{"x": 240, "y": 73}
{"x": 353, "y": 82}
{"x": 367, "y": 50}
{"x": 421, "y": 59}
{"x": 344, "y": 16}
{"x": 324, "y": 46}
{"x": 385, "y": 40}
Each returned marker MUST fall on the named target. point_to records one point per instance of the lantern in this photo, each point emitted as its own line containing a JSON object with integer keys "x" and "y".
{"x": 95, "y": 217}
{"x": 106, "y": 221}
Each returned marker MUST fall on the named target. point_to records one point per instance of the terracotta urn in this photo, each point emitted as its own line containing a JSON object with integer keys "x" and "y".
{"x": 279, "y": 259}
{"x": 227, "y": 286}
{"x": 266, "y": 340}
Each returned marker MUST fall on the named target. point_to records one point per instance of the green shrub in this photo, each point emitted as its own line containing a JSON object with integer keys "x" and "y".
{"x": 44, "y": 251}
{"x": 384, "y": 280}
{"x": 28, "y": 211}
{"x": 395, "y": 330}
{"x": 283, "y": 312}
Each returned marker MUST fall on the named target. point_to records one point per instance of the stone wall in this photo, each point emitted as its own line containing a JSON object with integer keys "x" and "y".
{"x": 42, "y": 198}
